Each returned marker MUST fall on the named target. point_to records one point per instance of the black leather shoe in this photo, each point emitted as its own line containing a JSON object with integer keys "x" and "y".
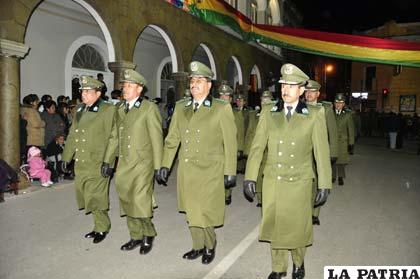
{"x": 146, "y": 245}
{"x": 277, "y": 275}
{"x": 92, "y": 234}
{"x": 315, "y": 220}
{"x": 228, "y": 200}
{"x": 298, "y": 272}
{"x": 133, "y": 243}
{"x": 99, "y": 236}
{"x": 259, "y": 204}
{"x": 340, "y": 181}
{"x": 208, "y": 255}
{"x": 193, "y": 254}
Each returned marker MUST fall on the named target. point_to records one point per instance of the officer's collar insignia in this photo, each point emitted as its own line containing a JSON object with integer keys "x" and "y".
{"x": 95, "y": 106}
{"x": 138, "y": 102}
{"x": 302, "y": 108}
{"x": 188, "y": 103}
{"x": 194, "y": 67}
{"x": 274, "y": 108}
{"x": 95, "y": 109}
{"x": 80, "y": 109}
{"x": 207, "y": 102}
{"x": 288, "y": 69}
{"x": 278, "y": 106}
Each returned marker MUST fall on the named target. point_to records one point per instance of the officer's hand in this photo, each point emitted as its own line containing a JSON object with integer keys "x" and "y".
{"x": 64, "y": 166}
{"x": 106, "y": 170}
{"x": 321, "y": 197}
{"x": 240, "y": 155}
{"x": 163, "y": 174}
{"x": 159, "y": 179}
{"x": 351, "y": 149}
{"x": 249, "y": 190}
{"x": 230, "y": 181}
{"x": 333, "y": 160}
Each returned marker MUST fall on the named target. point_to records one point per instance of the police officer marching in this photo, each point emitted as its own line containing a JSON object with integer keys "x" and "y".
{"x": 345, "y": 131}
{"x": 311, "y": 97}
{"x": 140, "y": 149}
{"x": 92, "y": 132}
{"x": 226, "y": 94}
{"x": 293, "y": 133}
{"x": 204, "y": 129}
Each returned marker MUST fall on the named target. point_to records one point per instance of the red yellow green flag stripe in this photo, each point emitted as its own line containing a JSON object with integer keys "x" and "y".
{"x": 357, "y": 48}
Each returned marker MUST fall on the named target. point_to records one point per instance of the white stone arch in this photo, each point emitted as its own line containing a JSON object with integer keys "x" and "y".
{"x": 238, "y": 69}
{"x": 256, "y": 71}
{"x": 93, "y": 41}
{"x": 211, "y": 59}
{"x": 159, "y": 73}
{"x": 275, "y": 12}
{"x": 104, "y": 28}
{"x": 170, "y": 45}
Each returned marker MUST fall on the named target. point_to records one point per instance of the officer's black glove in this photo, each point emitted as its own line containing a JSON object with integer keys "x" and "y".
{"x": 249, "y": 190}
{"x": 163, "y": 174}
{"x": 333, "y": 160}
{"x": 230, "y": 181}
{"x": 64, "y": 166}
{"x": 159, "y": 179}
{"x": 106, "y": 170}
{"x": 351, "y": 149}
{"x": 321, "y": 197}
{"x": 240, "y": 155}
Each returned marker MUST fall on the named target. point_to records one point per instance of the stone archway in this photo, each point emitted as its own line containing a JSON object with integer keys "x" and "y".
{"x": 234, "y": 72}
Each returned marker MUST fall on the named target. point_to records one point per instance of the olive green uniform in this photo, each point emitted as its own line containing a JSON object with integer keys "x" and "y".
{"x": 91, "y": 133}
{"x": 207, "y": 151}
{"x": 288, "y": 175}
{"x": 333, "y": 143}
{"x": 140, "y": 151}
{"x": 345, "y": 132}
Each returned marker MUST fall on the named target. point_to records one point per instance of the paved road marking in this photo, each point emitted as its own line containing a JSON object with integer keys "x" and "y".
{"x": 231, "y": 258}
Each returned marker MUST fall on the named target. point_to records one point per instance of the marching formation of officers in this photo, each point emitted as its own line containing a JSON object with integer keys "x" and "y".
{"x": 290, "y": 151}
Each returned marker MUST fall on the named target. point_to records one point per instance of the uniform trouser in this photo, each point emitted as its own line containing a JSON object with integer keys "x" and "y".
{"x": 280, "y": 258}
{"x": 315, "y": 210}
{"x": 241, "y": 165}
{"x": 140, "y": 227}
{"x": 101, "y": 221}
{"x": 338, "y": 169}
{"x": 203, "y": 237}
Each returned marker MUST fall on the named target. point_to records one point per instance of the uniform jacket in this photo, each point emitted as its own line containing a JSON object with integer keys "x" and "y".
{"x": 140, "y": 148}
{"x": 240, "y": 127}
{"x": 345, "y": 131}
{"x": 35, "y": 126}
{"x": 288, "y": 172}
{"x": 90, "y": 135}
{"x": 207, "y": 151}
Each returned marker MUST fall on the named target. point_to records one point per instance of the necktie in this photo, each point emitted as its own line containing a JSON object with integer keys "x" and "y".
{"x": 289, "y": 112}
{"x": 127, "y": 107}
{"x": 87, "y": 108}
{"x": 195, "y": 107}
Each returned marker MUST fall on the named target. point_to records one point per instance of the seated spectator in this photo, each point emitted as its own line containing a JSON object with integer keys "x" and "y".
{"x": 53, "y": 152}
{"x": 54, "y": 125}
{"x": 37, "y": 167}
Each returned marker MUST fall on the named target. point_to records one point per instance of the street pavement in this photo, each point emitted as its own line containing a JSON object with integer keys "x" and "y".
{"x": 372, "y": 220}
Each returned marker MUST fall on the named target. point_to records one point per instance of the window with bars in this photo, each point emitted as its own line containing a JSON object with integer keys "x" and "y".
{"x": 87, "y": 57}
{"x": 167, "y": 72}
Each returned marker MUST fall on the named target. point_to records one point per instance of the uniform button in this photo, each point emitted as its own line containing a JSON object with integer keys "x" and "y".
{"x": 77, "y": 149}
{"x": 186, "y": 150}
{"x": 198, "y": 130}
{"x": 293, "y": 143}
{"x": 186, "y": 141}
{"x": 186, "y": 160}
{"x": 291, "y": 155}
{"x": 121, "y": 156}
{"x": 196, "y": 151}
{"x": 280, "y": 153}
{"x": 281, "y": 141}
{"x": 128, "y": 146}
{"x": 83, "y": 131}
{"x": 278, "y": 177}
{"x": 76, "y": 140}
{"x": 291, "y": 178}
{"x": 77, "y": 160}
{"x": 83, "y": 150}
{"x": 129, "y": 137}
{"x": 121, "y": 128}
{"x": 77, "y": 130}
{"x": 279, "y": 165}
{"x": 198, "y": 141}
{"x": 83, "y": 161}
{"x": 187, "y": 131}
{"x": 292, "y": 167}
{"x": 83, "y": 140}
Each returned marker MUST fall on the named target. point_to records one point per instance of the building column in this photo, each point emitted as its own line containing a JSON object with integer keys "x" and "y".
{"x": 181, "y": 82}
{"x": 10, "y": 54}
{"x": 118, "y": 68}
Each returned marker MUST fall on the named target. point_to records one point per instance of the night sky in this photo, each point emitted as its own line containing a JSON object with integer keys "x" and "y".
{"x": 356, "y": 15}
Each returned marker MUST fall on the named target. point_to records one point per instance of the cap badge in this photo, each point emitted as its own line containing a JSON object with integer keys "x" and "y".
{"x": 194, "y": 66}
{"x": 126, "y": 74}
{"x": 288, "y": 69}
